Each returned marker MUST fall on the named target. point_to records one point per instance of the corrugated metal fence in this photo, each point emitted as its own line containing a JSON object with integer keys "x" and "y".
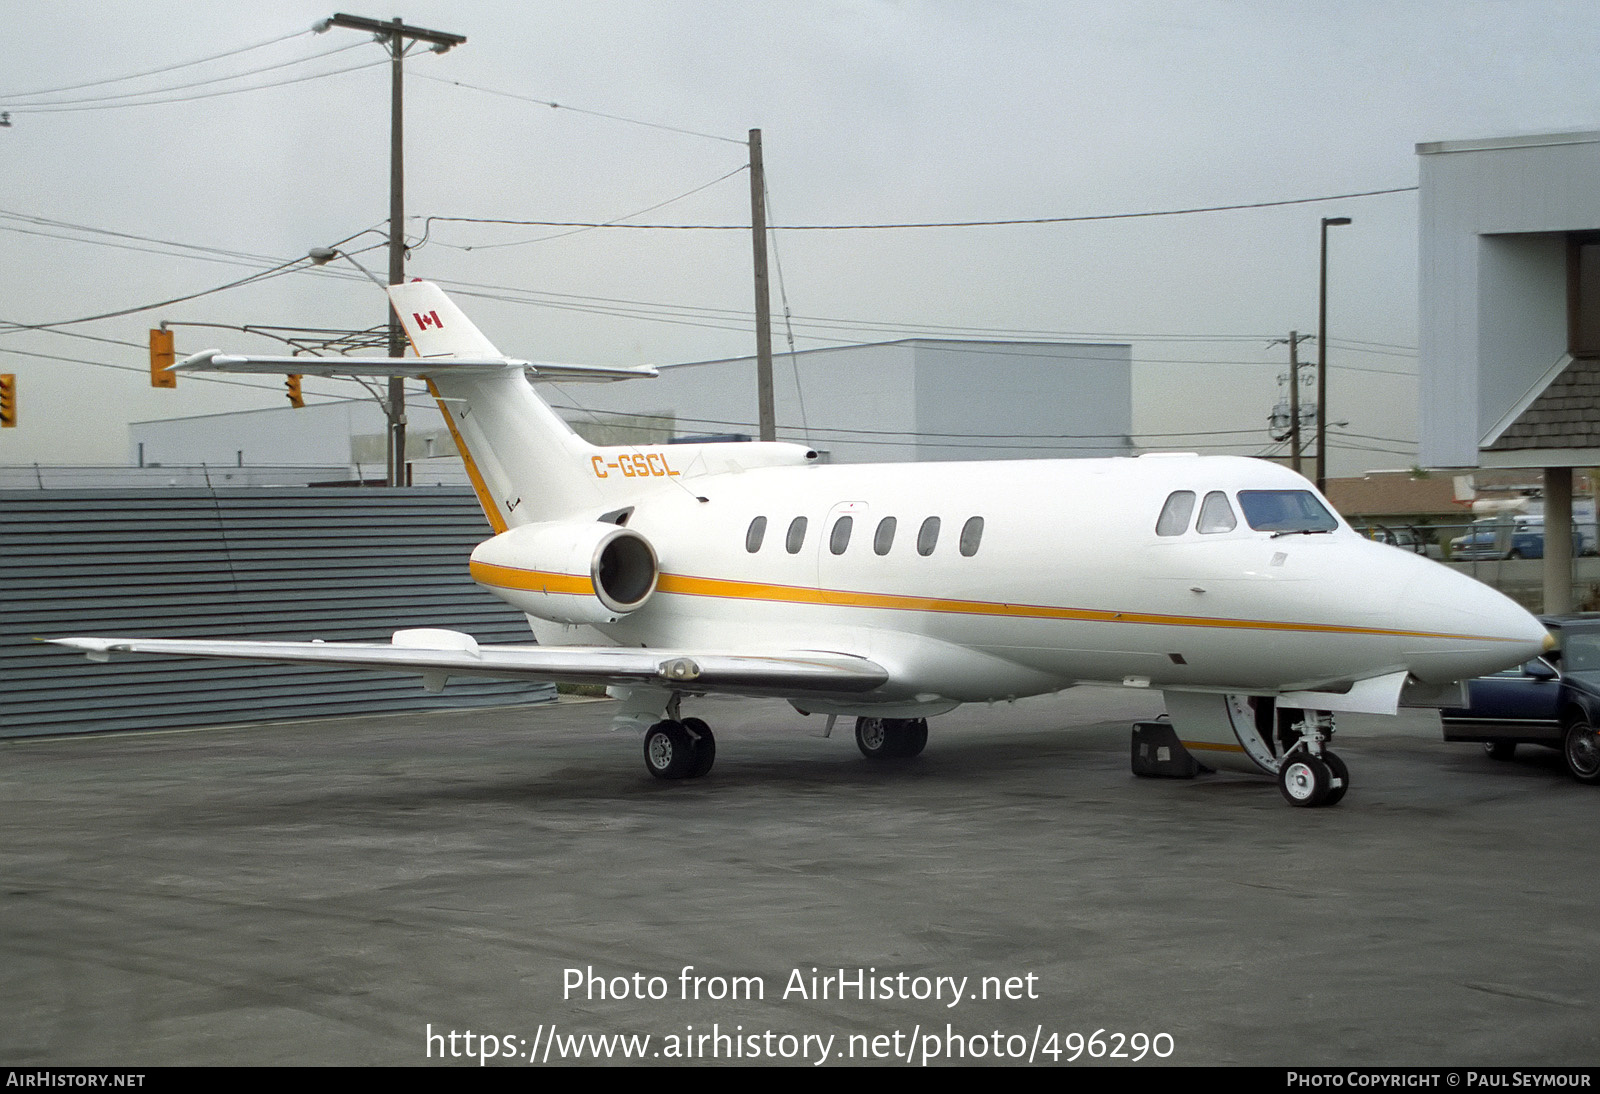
{"x": 233, "y": 563}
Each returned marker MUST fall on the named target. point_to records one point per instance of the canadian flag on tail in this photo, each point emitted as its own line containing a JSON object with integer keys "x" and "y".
{"x": 437, "y": 327}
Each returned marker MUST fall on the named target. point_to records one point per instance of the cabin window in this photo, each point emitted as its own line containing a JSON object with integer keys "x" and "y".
{"x": 1285, "y": 511}
{"x": 797, "y": 535}
{"x": 1174, "y": 519}
{"x": 928, "y": 536}
{"x": 1216, "y": 515}
{"x": 840, "y": 539}
{"x": 883, "y": 539}
{"x": 971, "y": 536}
{"x": 757, "y": 532}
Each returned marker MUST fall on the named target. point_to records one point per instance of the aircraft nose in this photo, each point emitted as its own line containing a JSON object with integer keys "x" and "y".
{"x": 1462, "y": 628}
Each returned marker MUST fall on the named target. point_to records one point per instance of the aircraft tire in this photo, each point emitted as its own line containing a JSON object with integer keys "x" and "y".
{"x": 1304, "y": 780}
{"x": 915, "y": 739}
{"x": 875, "y": 737}
{"x": 705, "y": 747}
{"x": 1500, "y": 750}
{"x": 1580, "y": 747}
{"x": 1338, "y": 773}
{"x": 668, "y": 750}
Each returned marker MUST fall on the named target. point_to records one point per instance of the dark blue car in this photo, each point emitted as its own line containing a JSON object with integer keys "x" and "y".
{"x": 1552, "y": 700}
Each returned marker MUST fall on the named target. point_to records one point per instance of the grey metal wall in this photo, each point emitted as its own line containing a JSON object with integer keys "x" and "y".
{"x": 295, "y": 564}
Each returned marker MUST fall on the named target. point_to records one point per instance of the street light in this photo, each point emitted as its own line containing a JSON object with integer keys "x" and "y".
{"x": 1322, "y": 355}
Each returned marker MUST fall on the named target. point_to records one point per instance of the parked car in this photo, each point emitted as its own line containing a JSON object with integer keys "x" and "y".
{"x": 1552, "y": 701}
{"x": 1494, "y": 537}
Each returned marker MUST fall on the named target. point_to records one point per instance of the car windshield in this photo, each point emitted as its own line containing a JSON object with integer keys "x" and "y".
{"x": 1285, "y": 511}
{"x": 1580, "y": 651}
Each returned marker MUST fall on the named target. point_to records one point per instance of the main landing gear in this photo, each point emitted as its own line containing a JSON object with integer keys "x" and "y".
{"x": 891, "y": 738}
{"x": 679, "y": 750}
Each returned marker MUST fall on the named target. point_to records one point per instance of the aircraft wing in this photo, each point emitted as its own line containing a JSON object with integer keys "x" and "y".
{"x": 439, "y": 654}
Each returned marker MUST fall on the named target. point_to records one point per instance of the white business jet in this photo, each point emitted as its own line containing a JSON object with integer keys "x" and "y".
{"x": 896, "y": 592}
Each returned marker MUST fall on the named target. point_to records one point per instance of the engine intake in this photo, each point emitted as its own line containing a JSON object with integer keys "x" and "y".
{"x": 569, "y": 571}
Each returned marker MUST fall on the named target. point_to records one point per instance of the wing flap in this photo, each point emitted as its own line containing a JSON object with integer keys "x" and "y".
{"x": 439, "y": 654}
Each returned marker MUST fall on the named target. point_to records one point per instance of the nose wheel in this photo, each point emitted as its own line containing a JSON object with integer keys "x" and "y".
{"x": 1308, "y": 781}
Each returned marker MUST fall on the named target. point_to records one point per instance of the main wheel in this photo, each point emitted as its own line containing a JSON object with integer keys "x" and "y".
{"x": 875, "y": 737}
{"x": 1581, "y": 748}
{"x": 1339, "y": 778}
{"x": 705, "y": 747}
{"x": 1304, "y": 779}
{"x": 916, "y": 738}
{"x": 668, "y": 750}
{"x": 1500, "y": 750}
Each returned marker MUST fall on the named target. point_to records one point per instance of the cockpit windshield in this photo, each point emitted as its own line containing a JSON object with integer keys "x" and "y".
{"x": 1285, "y": 511}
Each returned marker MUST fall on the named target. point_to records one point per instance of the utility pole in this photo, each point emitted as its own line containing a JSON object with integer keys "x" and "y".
{"x": 397, "y": 37}
{"x": 758, "y": 228}
{"x": 1294, "y": 399}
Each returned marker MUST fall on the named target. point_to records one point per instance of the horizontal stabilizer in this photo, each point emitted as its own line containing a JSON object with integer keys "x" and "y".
{"x": 212, "y": 360}
{"x": 436, "y": 654}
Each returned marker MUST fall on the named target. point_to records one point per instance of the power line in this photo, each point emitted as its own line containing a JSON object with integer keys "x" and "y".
{"x": 204, "y": 95}
{"x": 940, "y": 223}
{"x": 428, "y": 222}
{"x": 44, "y": 107}
{"x": 153, "y": 71}
{"x": 581, "y": 110}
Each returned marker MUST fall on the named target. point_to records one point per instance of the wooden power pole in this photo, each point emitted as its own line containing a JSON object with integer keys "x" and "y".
{"x": 758, "y": 228}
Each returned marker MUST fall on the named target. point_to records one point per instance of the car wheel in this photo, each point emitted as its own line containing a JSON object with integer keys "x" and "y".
{"x": 1581, "y": 749}
{"x": 1500, "y": 750}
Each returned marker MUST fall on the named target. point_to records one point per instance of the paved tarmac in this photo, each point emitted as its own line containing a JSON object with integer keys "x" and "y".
{"x": 335, "y": 891}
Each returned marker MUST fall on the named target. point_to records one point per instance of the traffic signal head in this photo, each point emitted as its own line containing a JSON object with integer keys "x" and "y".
{"x": 8, "y": 400}
{"x": 292, "y": 383}
{"x": 161, "y": 358}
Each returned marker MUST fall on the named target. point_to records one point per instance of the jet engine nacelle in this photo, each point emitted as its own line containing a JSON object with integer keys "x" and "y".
{"x": 569, "y": 571}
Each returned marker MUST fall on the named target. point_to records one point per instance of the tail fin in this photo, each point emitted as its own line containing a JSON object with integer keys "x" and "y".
{"x": 436, "y": 327}
{"x": 525, "y": 463}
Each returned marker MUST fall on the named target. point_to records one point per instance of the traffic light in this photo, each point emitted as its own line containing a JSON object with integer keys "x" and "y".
{"x": 8, "y": 400}
{"x": 161, "y": 358}
{"x": 292, "y": 382}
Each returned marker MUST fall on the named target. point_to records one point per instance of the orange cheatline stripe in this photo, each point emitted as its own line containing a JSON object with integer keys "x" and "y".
{"x": 683, "y": 585}
{"x": 1207, "y": 746}
{"x": 491, "y": 512}
{"x": 539, "y": 581}
{"x": 798, "y": 594}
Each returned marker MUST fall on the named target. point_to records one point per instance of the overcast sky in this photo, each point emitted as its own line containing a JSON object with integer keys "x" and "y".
{"x": 871, "y": 111}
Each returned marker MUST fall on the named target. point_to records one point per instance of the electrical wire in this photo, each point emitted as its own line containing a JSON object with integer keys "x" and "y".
{"x": 10, "y": 328}
{"x": 581, "y": 110}
{"x": 943, "y": 223}
{"x": 154, "y": 71}
{"x": 40, "y": 108}
{"x": 428, "y": 222}
{"x": 205, "y": 95}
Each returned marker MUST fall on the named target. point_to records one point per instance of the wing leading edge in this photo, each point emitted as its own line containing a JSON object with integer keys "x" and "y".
{"x": 439, "y": 654}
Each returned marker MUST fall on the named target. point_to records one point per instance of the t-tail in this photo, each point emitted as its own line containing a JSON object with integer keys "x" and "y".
{"x": 525, "y": 463}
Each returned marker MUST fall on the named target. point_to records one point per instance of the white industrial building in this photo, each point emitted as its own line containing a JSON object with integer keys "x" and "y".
{"x": 1510, "y": 315}
{"x": 918, "y": 399}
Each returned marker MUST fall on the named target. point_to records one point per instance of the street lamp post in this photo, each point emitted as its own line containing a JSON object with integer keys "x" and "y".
{"x": 1322, "y": 356}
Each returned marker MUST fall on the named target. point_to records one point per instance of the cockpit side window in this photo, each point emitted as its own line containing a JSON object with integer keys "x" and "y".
{"x": 1285, "y": 511}
{"x": 1175, "y": 514}
{"x": 1216, "y": 515}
